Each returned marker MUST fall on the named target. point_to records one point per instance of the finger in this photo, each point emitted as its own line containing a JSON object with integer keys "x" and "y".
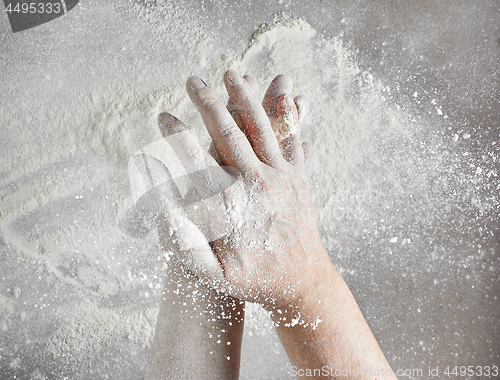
{"x": 147, "y": 176}
{"x": 303, "y": 111}
{"x": 254, "y": 85}
{"x": 202, "y": 181}
{"x": 280, "y": 85}
{"x": 255, "y": 120}
{"x": 202, "y": 176}
{"x": 229, "y": 141}
{"x": 288, "y": 132}
{"x": 169, "y": 124}
{"x": 152, "y": 171}
{"x": 235, "y": 114}
{"x": 273, "y": 104}
{"x": 150, "y": 177}
{"x": 252, "y": 81}
{"x": 287, "y": 114}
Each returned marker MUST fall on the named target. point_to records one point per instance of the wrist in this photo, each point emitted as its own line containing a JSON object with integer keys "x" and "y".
{"x": 312, "y": 292}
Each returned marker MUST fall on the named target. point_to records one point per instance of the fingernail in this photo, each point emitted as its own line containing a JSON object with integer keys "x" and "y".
{"x": 234, "y": 77}
{"x": 195, "y": 83}
{"x": 169, "y": 124}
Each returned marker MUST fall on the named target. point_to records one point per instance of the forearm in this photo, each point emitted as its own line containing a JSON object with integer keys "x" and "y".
{"x": 198, "y": 333}
{"x": 325, "y": 330}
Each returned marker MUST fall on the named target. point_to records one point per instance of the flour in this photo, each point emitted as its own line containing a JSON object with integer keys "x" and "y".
{"x": 93, "y": 329}
{"x": 66, "y": 195}
{"x": 66, "y": 204}
{"x": 78, "y": 194}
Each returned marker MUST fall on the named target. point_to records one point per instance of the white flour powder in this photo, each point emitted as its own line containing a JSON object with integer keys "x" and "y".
{"x": 65, "y": 200}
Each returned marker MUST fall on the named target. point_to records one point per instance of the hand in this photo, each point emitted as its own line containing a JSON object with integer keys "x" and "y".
{"x": 270, "y": 251}
{"x": 273, "y": 248}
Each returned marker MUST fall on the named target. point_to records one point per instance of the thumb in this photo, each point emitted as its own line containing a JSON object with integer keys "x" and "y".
{"x": 195, "y": 251}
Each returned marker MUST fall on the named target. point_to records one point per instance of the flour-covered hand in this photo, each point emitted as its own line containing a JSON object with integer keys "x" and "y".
{"x": 273, "y": 248}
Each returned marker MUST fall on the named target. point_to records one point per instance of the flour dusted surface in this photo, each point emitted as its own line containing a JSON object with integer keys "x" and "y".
{"x": 83, "y": 278}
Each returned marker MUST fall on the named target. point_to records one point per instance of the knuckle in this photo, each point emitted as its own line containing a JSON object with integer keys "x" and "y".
{"x": 197, "y": 158}
{"x": 229, "y": 131}
{"x": 208, "y": 99}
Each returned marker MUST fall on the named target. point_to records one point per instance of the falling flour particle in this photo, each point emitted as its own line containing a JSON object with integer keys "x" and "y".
{"x": 14, "y": 364}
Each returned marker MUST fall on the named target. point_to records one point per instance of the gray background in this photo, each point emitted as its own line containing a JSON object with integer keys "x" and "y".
{"x": 431, "y": 303}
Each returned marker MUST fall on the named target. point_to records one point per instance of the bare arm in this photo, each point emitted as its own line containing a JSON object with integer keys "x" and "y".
{"x": 199, "y": 330}
{"x": 323, "y": 329}
{"x": 198, "y": 333}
